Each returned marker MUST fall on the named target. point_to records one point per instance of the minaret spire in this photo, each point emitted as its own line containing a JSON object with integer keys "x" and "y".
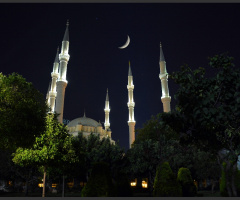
{"x": 107, "y": 111}
{"x": 166, "y": 99}
{"x": 62, "y": 81}
{"x": 129, "y": 70}
{"x": 53, "y": 91}
{"x": 66, "y": 35}
{"x": 131, "y": 105}
{"x": 161, "y": 54}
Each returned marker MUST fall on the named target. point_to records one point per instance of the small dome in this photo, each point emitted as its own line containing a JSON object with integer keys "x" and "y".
{"x": 85, "y": 121}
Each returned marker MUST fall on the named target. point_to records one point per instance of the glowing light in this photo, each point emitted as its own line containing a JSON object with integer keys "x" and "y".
{"x": 40, "y": 184}
{"x": 144, "y": 184}
{"x": 134, "y": 183}
{"x": 54, "y": 185}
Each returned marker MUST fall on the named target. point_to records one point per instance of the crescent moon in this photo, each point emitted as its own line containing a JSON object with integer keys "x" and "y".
{"x": 126, "y": 44}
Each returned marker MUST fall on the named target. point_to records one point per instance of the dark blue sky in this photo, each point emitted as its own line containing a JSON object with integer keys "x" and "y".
{"x": 31, "y": 33}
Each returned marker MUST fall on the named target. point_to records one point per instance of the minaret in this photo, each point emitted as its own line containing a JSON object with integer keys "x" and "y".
{"x": 131, "y": 104}
{"x": 62, "y": 82}
{"x": 166, "y": 99}
{"x": 53, "y": 91}
{"x": 107, "y": 111}
{"x": 48, "y": 97}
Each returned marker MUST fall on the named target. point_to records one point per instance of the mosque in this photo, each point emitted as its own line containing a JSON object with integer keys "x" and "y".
{"x": 56, "y": 94}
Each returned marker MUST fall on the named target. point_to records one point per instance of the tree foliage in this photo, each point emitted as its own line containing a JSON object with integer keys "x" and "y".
{"x": 100, "y": 182}
{"x": 165, "y": 183}
{"x": 23, "y": 111}
{"x": 185, "y": 179}
{"x": 93, "y": 149}
{"x": 157, "y": 143}
{"x": 52, "y": 148}
{"x": 207, "y": 112}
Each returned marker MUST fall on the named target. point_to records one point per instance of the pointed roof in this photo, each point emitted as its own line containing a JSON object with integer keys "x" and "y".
{"x": 57, "y": 57}
{"x": 161, "y": 53}
{"x": 84, "y": 115}
{"x": 66, "y": 35}
{"x": 129, "y": 70}
{"x": 107, "y": 98}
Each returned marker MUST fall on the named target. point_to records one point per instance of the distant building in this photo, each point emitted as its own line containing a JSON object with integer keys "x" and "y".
{"x": 87, "y": 126}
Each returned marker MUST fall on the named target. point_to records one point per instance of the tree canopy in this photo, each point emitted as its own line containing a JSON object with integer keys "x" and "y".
{"x": 207, "y": 111}
{"x": 53, "y": 148}
{"x": 23, "y": 111}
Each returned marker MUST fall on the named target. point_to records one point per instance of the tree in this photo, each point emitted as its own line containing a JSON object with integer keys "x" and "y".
{"x": 165, "y": 183}
{"x": 51, "y": 148}
{"x": 93, "y": 149}
{"x": 157, "y": 143}
{"x": 207, "y": 112}
{"x": 100, "y": 182}
{"x": 185, "y": 179}
{"x": 23, "y": 111}
{"x": 143, "y": 159}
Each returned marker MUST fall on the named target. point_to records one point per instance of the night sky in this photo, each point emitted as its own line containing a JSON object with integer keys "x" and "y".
{"x": 189, "y": 33}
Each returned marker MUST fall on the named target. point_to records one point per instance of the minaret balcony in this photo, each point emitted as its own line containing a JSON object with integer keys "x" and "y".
{"x": 163, "y": 76}
{"x": 52, "y": 94}
{"x": 166, "y": 98}
{"x": 64, "y": 57}
{"x": 131, "y": 104}
{"x": 62, "y": 80}
{"x": 54, "y": 75}
{"x": 130, "y": 87}
{"x": 107, "y": 110}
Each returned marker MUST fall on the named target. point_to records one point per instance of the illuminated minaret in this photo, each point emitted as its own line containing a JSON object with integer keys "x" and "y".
{"x": 48, "y": 97}
{"x": 131, "y": 104}
{"x": 166, "y": 99}
{"x": 62, "y": 82}
{"x": 107, "y": 111}
{"x": 53, "y": 91}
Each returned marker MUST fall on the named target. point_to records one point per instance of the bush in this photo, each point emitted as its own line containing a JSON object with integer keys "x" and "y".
{"x": 165, "y": 183}
{"x": 223, "y": 189}
{"x": 186, "y": 181}
{"x": 99, "y": 183}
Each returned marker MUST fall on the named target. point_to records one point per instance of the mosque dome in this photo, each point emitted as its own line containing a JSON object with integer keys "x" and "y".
{"x": 85, "y": 121}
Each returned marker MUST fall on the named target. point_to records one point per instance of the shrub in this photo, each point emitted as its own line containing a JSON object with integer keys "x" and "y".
{"x": 223, "y": 189}
{"x": 186, "y": 181}
{"x": 99, "y": 183}
{"x": 165, "y": 183}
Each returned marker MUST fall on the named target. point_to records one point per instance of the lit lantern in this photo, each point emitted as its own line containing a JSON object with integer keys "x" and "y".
{"x": 144, "y": 183}
{"x": 40, "y": 184}
{"x": 134, "y": 183}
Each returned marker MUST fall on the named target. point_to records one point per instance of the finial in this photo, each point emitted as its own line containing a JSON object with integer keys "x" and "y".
{"x": 107, "y": 98}
{"x": 68, "y": 22}
{"x": 129, "y": 63}
{"x": 161, "y": 53}
{"x": 129, "y": 70}
{"x": 84, "y": 115}
{"x": 58, "y": 49}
